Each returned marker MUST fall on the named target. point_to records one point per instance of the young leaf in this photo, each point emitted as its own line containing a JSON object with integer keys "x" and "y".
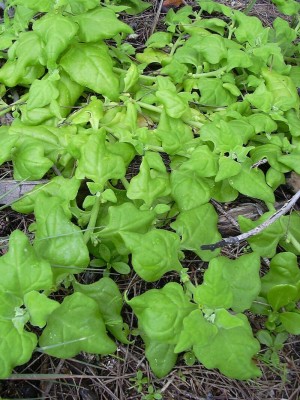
{"x": 39, "y": 307}
{"x": 281, "y": 295}
{"x": 75, "y": 326}
{"x": 291, "y": 322}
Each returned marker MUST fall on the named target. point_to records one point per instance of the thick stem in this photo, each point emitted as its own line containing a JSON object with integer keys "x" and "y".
{"x": 215, "y": 73}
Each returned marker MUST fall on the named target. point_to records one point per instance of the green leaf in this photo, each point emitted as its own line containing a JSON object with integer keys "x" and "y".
{"x": 159, "y": 40}
{"x": 22, "y": 270}
{"x": 249, "y": 29}
{"x": 16, "y": 347}
{"x": 39, "y": 307}
{"x": 173, "y": 133}
{"x": 251, "y": 182}
{"x": 197, "y": 227}
{"x": 123, "y": 220}
{"x": 284, "y": 270}
{"x": 160, "y": 312}
{"x": 282, "y": 89}
{"x": 131, "y": 77}
{"x": 152, "y": 181}
{"x": 222, "y": 341}
{"x": 202, "y": 161}
{"x": 75, "y": 326}
{"x": 266, "y": 242}
{"x": 183, "y": 182}
{"x": 56, "y": 32}
{"x": 57, "y": 239}
{"x": 109, "y": 299}
{"x": 97, "y": 162}
{"x": 154, "y": 253}
{"x": 288, "y": 7}
{"x": 291, "y": 322}
{"x": 63, "y": 188}
{"x": 291, "y": 239}
{"x": 99, "y": 24}
{"x": 77, "y": 6}
{"x": 96, "y": 72}
{"x": 230, "y": 283}
{"x": 135, "y": 6}
{"x": 160, "y": 356}
{"x": 173, "y": 103}
{"x": 281, "y": 295}
{"x": 213, "y": 93}
{"x": 227, "y": 168}
{"x": 41, "y": 93}
{"x": 7, "y": 143}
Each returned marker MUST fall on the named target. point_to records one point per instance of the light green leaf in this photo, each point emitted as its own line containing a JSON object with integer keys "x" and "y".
{"x": 266, "y": 242}
{"x": 154, "y": 253}
{"x": 227, "y": 168}
{"x": 56, "y": 32}
{"x": 16, "y": 347}
{"x": 202, "y": 161}
{"x": 39, "y": 307}
{"x": 173, "y": 133}
{"x": 213, "y": 93}
{"x": 91, "y": 66}
{"x": 291, "y": 322}
{"x": 75, "y": 326}
{"x": 230, "y": 283}
{"x": 231, "y": 349}
{"x": 57, "y": 239}
{"x": 123, "y": 220}
{"x": 159, "y": 40}
{"x": 109, "y": 299}
{"x": 152, "y": 181}
{"x": 281, "y": 295}
{"x": 131, "y": 77}
{"x": 197, "y": 227}
{"x": 183, "y": 182}
{"x": 99, "y": 24}
{"x": 41, "y": 93}
{"x": 7, "y": 143}
{"x": 65, "y": 189}
{"x": 249, "y": 29}
{"x": 291, "y": 239}
{"x": 21, "y": 268}
{"x": 251, "y": 182}
{"x": 97, "y": 162}
{"x": 174, "y": 104}
{"x": 160, "y": 312}
{"x": 284, "y": 270}
{"x": 160, "y": 356}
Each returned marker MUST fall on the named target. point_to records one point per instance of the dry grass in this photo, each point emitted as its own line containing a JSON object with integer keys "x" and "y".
{"x": 89, "y": 377}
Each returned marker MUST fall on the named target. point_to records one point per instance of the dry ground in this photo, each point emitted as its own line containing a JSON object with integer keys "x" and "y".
{"x": 88, "y": 377}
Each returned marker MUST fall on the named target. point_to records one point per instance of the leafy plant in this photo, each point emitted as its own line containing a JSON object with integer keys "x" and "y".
{"x": 222, "y": 99}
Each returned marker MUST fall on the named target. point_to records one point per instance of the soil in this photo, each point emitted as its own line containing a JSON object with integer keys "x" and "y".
{"x": 89, "y": 377}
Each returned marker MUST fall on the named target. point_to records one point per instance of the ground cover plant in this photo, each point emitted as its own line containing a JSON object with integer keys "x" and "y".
{"x": 209, "y": 109}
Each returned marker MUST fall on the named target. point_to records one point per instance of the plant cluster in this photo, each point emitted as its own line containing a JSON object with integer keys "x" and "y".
{"x": 210, "y": 110}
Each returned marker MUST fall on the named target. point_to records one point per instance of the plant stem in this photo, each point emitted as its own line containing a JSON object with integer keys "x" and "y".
{"x": 125, "y": 182}
{"x": 249, "y": 7}
{"x": 208, "y": 74}
{"x": 93, "y": 219}
{"x": 6, "y": 109}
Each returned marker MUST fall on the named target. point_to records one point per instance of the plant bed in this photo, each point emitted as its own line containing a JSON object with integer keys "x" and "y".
{"x": 205, "y": 116}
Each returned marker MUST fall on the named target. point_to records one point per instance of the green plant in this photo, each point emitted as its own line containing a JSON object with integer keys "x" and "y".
{"x": 224, "y": 98}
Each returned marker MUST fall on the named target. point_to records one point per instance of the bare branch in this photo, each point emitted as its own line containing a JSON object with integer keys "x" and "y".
{"x": 255, "y": 231}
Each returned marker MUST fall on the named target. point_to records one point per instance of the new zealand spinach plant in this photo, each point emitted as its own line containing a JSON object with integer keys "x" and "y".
{"x": 221, "y": 101}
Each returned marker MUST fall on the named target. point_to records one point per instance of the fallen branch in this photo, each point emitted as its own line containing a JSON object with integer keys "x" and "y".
{"x": 255, "y": 231}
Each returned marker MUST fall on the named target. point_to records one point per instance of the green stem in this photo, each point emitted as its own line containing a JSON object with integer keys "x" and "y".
{"x": 125, "y": 182}
{"x": 6, "y": 109}
{"x": 216, "y": 73}
{"x": 93, "y": 218}
{"x": 249, "y": 7}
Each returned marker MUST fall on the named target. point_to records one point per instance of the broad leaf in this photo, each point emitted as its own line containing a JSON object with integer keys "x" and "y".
{"x": 66, "y": 335}
{"x": 91, "y": 66}
{"x": 39, "y": 307}
{"x": 154, "y": 253}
